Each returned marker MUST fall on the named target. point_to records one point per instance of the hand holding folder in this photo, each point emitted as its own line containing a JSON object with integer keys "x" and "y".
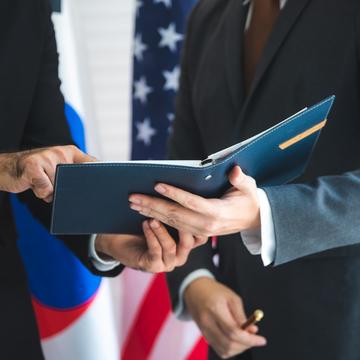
{"x": 237, "y": 210}
{"x": 154, "y": 252}
{"x": 273, "y": 157}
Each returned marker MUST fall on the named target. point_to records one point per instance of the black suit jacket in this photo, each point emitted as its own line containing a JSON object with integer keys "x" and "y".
{"x": 311, "y": 305}
{"x": 31, "y": 115}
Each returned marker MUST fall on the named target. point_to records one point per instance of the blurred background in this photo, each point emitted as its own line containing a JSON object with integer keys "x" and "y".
{"x": 119, "y": 66}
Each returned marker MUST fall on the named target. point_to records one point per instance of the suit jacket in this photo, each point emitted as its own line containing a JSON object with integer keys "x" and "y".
{"x": 311, "y": 303}
{"x": 31, "y": 115}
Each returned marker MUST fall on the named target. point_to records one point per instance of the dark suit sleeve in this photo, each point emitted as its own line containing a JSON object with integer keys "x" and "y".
{"x": 185, "y": 143}
{"x": 311, "y": 218}
{"x": 47, "y": 126}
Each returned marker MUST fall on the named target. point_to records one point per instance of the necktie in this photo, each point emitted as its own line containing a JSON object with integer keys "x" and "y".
{"x": 264, "y": 16}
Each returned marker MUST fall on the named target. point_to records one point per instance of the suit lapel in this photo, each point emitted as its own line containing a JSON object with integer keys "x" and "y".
{"x": 234, "y": 25}
{"x": 286, "y": 21}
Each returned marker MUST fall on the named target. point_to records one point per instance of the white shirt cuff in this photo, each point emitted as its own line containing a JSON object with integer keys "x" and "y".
{"x": 180, "y": 310}
{"x": 262, "y": 241}
{"x": 100, "y": 264}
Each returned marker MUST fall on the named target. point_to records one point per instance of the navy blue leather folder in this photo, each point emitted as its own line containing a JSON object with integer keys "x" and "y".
{"x": 93, "y": 197}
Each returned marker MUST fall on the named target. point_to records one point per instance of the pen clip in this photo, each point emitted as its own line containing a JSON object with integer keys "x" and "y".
{"x": 207, "y": 162}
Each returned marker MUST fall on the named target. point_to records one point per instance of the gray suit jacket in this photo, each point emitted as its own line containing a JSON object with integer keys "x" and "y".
{"x": 314, "y": 217}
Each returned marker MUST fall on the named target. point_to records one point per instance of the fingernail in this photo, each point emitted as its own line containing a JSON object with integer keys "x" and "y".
{"x": 135, "y": 200}
{"x": 160, "y": 189}
{"x": 135, "y": 207}
{"x": 154, "y": 224}
{"x": 146, "y": 224}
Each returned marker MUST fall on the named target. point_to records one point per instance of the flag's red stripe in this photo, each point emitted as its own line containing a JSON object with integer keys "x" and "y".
{"x": 200, "y": 351}
{"x": 148, "y": 322}
{"x": 52, "y": 321}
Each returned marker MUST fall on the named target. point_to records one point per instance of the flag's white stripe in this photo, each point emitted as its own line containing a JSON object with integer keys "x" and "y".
{"x": 92, "y": 337}
{"x": 68, "y": 62}
{"x": 176, "y": 340}
{"x": 74, "y": 72}
{"x": 135, "y": 285}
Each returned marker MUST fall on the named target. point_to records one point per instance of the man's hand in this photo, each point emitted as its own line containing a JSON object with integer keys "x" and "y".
{"x": 219, "y": 313}
{"x": 236, "y": 211}
{"x": 154, "y": 252}
{"x": 35, "y": 169}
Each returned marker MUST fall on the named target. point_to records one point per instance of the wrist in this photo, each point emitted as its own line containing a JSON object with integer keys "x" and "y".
{"x": 103, "y": 246}
{"x": 199, "y": 283}
{"x": 256, "y": 223}
{"x": 255, "y": 220}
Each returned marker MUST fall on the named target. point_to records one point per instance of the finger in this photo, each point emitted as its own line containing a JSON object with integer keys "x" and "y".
{"x": 167, "y": 243}
{"x": 153, "y": 245}
{"x": 250, "y": 340}
{"x": 253, "y": 329}
{"x": 222, "y": 344}
{"x": 215, "y": 337}
{"x": 236, "y": 309}
{"x": 184, "y": 198}
{"x": 42, "y": 187}
{"x": 246, "y": 337}
{"x": 186, "y": 244}
{"x": 200, "y": 240}
{"x": 50, "y": 170}
{"x": 228, "y": 325}
{"x": 49, "y": 199}
{"x": 168, "y": 213}
{"x": 40, "y": 183}
{"x": 239, "y": 180}
{"x": 243, "y": 339}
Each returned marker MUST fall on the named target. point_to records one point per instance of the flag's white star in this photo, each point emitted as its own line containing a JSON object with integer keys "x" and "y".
{"x": 142, "y": 90}
{"x": 169, "y": 37}
{"x": 171, "y": 118}
{"x": 138, "y": 5}
{"x": 167, "y": 3}
{"x": 139, "y": 48}
{"x": 145, "y": 132}
{"x": 172, "y": 79}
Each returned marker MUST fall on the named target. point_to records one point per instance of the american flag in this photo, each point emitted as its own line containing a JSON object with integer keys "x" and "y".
{"x": 159, "y": 33}
{"x": 151, "y": 330}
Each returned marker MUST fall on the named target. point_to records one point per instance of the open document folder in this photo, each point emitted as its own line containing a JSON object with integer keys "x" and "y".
{"x": 93, "y": 197}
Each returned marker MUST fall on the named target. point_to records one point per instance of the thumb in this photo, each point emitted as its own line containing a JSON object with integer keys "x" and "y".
{"x": 81, "y": 157}
{"x": 238, "y": 179}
